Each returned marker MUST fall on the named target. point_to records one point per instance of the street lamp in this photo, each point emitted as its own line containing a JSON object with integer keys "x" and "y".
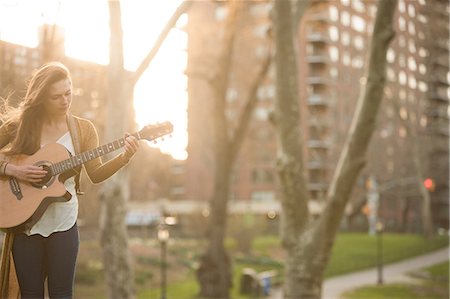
{"x": 379, "y": 230}
{"x": 163, "y": 237}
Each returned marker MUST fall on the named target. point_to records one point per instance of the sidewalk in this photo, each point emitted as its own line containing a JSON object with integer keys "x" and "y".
{"x": 333, "y": 287}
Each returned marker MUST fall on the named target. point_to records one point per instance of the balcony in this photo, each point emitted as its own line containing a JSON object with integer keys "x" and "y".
{"x": 316, "y": 164}
{"x": 317, "y": 186}
{"x": 318, "y": 144}
{"x": 319, "y": 17}
{"x": 317, "y": 37}
{"x": 318, "y": 100}
{"x": 317, "y": 59}
{"x": 319, "y": 123}
{"x": 437, "y": 96}
{"x": 317, "y": 80}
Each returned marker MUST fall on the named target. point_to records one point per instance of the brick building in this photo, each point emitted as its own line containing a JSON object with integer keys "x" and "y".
{"x": 333, "y": 43}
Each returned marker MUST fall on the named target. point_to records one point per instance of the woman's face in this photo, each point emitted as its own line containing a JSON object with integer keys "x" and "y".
{"x": 59, "y": 98}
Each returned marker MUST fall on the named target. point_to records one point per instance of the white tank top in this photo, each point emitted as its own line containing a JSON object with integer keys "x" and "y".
{"x": 59, "y": 216}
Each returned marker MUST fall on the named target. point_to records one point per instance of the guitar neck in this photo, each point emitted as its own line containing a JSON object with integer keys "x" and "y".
{"x": 89, "y": 155}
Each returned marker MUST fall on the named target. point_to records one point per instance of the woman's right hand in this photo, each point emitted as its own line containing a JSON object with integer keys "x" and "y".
{"x": 28, "y": 173}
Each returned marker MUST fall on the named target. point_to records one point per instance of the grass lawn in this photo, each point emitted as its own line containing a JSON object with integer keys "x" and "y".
{"x": 351, "y": 252}
{"x": 429, "y": 283}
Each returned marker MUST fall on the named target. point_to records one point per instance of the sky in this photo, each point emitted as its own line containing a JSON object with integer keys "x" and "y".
{"x": 161, "y": 93}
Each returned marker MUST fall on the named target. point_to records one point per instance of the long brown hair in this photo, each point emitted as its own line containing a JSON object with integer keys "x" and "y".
{"x": 25, "y": 122}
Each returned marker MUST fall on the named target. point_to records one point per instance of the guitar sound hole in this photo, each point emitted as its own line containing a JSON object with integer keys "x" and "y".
{"x": 47, "y": 180}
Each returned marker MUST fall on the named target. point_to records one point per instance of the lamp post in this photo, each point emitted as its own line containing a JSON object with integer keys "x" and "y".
{"x": 163, "y": 237}
{"x": 379, "y": 230}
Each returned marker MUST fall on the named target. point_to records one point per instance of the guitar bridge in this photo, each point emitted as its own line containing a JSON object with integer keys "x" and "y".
{"x": 15, "y": 188}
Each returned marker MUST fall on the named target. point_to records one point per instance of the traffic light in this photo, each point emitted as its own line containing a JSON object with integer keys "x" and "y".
{"x": 429, "y": 184}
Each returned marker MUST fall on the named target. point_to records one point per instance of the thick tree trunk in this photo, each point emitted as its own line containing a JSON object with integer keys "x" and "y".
{"x": 214, "y": 273}
{"x": 115, "y": 192}
{"x": 308, "y": 244}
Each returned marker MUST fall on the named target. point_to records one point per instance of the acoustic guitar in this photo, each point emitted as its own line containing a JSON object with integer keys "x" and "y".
{"x": 23, "y": 203}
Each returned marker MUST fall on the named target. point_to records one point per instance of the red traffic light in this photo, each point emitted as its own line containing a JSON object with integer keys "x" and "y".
{"x": 429, "y": 184}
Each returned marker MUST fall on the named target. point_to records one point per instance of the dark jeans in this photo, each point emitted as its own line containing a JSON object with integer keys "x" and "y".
{"x": 53, "y": 257}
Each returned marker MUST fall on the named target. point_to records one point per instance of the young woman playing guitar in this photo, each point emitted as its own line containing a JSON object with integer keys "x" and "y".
{"x": 48, "y": 249}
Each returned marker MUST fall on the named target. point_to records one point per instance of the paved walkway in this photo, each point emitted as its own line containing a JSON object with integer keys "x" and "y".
{"x": 333, "y": 287}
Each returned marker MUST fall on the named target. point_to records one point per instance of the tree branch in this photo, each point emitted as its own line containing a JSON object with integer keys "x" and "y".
{"x": 352, "y": 158}
{"x": 162, "y": 36}
{"x": 241, "y": 129}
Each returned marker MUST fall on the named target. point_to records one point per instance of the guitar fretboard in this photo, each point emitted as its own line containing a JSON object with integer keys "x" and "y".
{"x": 89, "y": 155}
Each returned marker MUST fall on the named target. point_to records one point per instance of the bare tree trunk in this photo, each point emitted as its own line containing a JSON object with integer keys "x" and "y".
{"x": 308, "y": 244}
{"x": 115, "y": 192}
{"x": 214, "y": 274}
{"x": 294, "y": 199}
{"x": 414, "y": 141}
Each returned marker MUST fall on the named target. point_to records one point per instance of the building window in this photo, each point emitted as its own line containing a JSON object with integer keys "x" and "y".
{"x": 402, "y": 132}
{"x": 358, "y": 5}
{"x": 334, "y": 53}
{"x": 357, "y": 62}
{"x": 221, "y": 12}
{"x": 345, "y": 18}
{"x": 390, "y": 56}
{"x": 262, "y": 176}
{"x": 411, "y": 10}
{"x": 334, "y": 33}
{"x": 401, "y": 6}
{"x": 334, "y": 72}
{"x": 177, "y": 190}
{"x": 402, "y": 78}
{"x": 346, "y": 59}
{"x": 423, "y": 52}
{"x": 412, "y": 46}
{"x": 412, "y": 83}
{"x": 260, "y": 10}
{"x": 401, "y": 41}
{"x": 403, "y": 113}
{"x": 232, "y": 94}
{"x": 261, "y": 113}
{"x": 334, "y": 13}
{"x": 391, "y": 74}
{"x": 262, "y": 196}
{"x": 345, "y": 38}
{"x": 412, "y": 28}
{"x": 422, "y": 69}
{"x": 177, "y": 169}
{"x": 358, "y": 24}
{"x": 266, "y": 92}
{"x": 261, "y": 30}
{"x": 358, "y": 42}
{"x": 401, "y": 24}
{"x": 423, "y": 87}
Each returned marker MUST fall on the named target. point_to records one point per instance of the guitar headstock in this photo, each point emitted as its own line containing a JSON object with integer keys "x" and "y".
{"x": 152, "y": 132}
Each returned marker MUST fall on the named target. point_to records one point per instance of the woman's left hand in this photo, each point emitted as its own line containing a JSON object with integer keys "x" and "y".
{"x": 131, "y": 146}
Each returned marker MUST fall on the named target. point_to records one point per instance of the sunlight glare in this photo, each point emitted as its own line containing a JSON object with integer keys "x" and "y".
{"x": 160, "y": 94}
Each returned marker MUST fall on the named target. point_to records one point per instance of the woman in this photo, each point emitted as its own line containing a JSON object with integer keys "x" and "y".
{"x": 49, "y": 248}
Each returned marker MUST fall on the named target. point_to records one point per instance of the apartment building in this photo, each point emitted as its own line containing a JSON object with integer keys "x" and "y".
{"x": 333, "y": 42}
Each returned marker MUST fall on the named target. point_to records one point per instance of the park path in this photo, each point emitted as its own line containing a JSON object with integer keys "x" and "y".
{"x": 397, "y": 272}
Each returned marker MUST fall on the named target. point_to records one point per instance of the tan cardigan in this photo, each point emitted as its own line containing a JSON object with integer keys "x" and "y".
{"x": 84, "y": 137}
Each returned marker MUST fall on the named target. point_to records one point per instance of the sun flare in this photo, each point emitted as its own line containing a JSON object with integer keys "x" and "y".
{"x": 160, "y": 94}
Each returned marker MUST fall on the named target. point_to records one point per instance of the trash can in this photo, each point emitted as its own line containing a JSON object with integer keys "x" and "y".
{"x": 265, "y": 283}
{"x": 249, "y": 282}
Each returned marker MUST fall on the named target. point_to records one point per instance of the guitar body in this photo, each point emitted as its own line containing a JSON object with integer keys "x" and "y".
{"x": 21, "y": 203}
